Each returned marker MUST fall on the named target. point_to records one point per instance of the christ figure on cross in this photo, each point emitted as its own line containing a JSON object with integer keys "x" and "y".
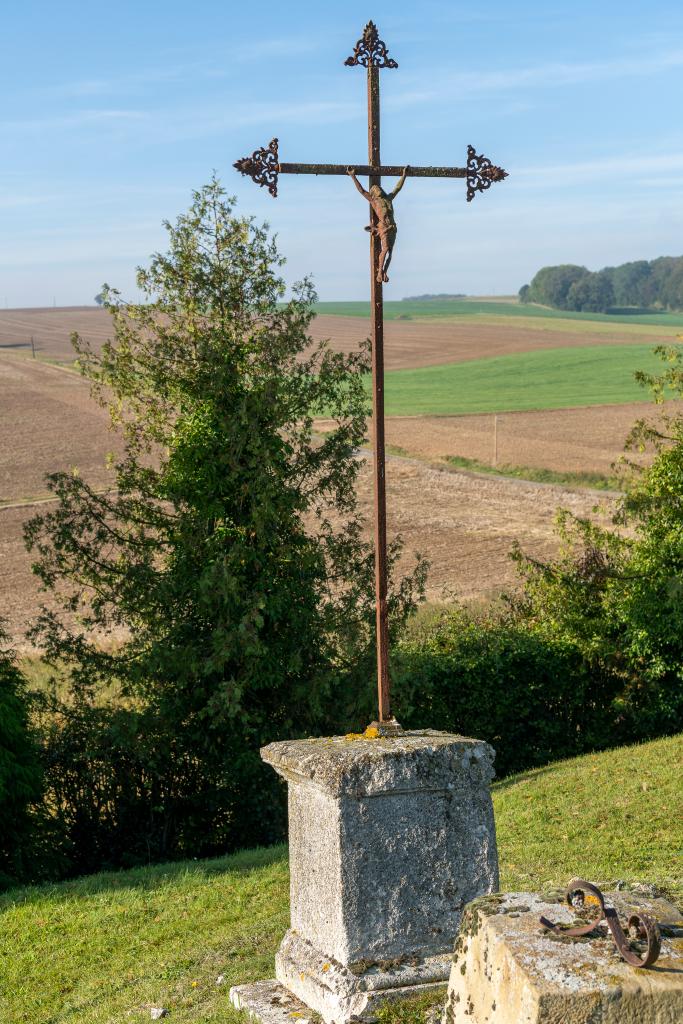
{"x": 383, "y": 204}
{"x": 264, "y": 167}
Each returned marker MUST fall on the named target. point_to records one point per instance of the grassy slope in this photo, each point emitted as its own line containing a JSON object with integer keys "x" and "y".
{"x": 108, "y": 947}
{"x": 482, "y": 308}
{"x": 545, "y": 379}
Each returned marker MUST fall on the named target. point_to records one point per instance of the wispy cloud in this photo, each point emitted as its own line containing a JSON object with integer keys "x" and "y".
{"x": 621, "y": 167}
{"x": 61, "y": 122}
{"x": 546, "y": 75}
{"x": 19, "y": 201}
{"x": 188, "y": 122}
{"x": 127, "y": 83}
{"x": 213, "y": 67}
{"x": 280, "y": 46}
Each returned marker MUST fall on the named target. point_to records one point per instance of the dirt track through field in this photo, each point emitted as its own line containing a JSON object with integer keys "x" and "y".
{"x": 466, "y": 525}
{"x": 408, "y": 344}
{"x": 582, "y": 440}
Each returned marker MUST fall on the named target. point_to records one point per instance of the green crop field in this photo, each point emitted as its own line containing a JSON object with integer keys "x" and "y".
{"x": 440, "y": 308}
{"x": 547, "y": 379}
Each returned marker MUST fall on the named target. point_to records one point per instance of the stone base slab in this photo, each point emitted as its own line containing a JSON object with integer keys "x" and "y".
{"x": 339, "y": 993}
{"x": 269, "y": 1002}
{"x": 507, "y": 969}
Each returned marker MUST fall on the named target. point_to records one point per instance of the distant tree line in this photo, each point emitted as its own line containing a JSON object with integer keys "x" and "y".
{"x": 429, "y": 295}
{"x": 656, "y": 284}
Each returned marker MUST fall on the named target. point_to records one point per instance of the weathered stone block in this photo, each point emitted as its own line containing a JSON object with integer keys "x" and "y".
{"x": 388, "y": 839}
{"x": 508, "y": 970}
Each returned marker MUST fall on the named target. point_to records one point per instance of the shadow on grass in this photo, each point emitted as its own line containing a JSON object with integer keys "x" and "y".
{"x": 154, "y": 876}
{"x": 526, "y": 776}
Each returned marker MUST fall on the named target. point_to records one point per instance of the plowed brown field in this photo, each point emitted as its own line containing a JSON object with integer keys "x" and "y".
{"x": 48, "y": 421}
{"x": 583, "y": 440}
{"x": 464, "y": 524}
{"x": 51, "y": 330}
{"x": 408, "y": 343}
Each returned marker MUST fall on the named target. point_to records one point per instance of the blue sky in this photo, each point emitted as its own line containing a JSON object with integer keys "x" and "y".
{"x": 111, "y": 114}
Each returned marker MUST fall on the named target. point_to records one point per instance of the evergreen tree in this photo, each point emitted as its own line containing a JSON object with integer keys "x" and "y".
{"x": 228, "y": 551}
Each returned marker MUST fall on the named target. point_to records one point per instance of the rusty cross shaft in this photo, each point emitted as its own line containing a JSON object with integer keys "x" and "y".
{"x": 264, "y": 167}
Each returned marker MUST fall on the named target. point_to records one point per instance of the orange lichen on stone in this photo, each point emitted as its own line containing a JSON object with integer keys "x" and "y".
{"x": 371, "y": 733}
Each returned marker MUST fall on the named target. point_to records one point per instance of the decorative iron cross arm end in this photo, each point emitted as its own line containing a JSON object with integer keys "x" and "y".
{"x": 481, "y": 173}
{"x": 262, "y": 166}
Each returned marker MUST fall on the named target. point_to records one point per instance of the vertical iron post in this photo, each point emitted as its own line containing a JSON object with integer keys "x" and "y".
{"x": 264, "y": 167}
{"x": 377, "y": 331}
{"x": 495, "y": 439}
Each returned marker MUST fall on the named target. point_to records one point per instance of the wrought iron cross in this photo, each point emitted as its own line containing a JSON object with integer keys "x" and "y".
{"x": 264, "y": 167}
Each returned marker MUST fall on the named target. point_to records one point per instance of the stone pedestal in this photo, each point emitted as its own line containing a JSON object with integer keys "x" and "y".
{"x": 508, "y": 970}
{"x": 389, "y": 838}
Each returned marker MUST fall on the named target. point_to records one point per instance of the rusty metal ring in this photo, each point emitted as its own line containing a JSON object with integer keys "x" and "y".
{"x": 647, "y": 930}
{"x": 645, "y": 927}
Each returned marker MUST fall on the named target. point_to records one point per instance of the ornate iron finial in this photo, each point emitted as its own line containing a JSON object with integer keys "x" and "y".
{"x": 370, "y": 50}
{"x": 262, "y": 166}
{"x": 481, "y": 173}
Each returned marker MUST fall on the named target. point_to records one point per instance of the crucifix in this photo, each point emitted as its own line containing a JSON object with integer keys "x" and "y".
{"x": 264, "y": 167}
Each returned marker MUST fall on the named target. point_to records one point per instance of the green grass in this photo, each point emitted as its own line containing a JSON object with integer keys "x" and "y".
{"x": 108, "y": 947}
{"x": 597, "y": 481}
{"x": 616, "y": 814}
{"x": 440, "y": 308}
{"x": 43, "y": 678}
{"x": 546, "y": 379}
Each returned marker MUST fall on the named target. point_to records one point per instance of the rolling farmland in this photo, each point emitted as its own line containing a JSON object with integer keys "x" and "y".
{"x": 497, "y": 308}
{"x": 559, "y": 390}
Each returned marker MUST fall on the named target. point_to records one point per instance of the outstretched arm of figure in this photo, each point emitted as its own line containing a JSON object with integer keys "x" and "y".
{"x": 400, "y": 183}
{"x": 350, "y": 171}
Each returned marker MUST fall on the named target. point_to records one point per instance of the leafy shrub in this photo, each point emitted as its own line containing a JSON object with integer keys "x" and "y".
{"x": 533, "y": 698}
{"x": 617, "y": 600}
{"x": 21, "y": 780}
{"x": 616, "y": 593}
{"x": 130, "y": 788}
